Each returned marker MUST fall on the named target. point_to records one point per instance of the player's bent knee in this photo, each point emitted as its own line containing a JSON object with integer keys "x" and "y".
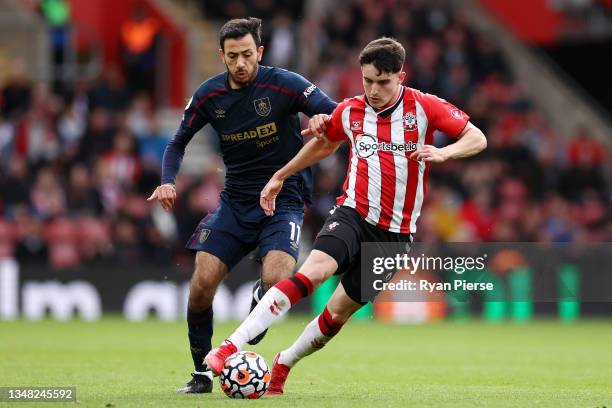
{"x": 340, "y": 316}
{"x": 277, "y": 265}
{"x": 316, "y": 277}
{"x": 199, "y": 297}
{"x": 204, "y": 279}
{"x": 208, "y": 274}
{"x": 340, "y": 306}
{"x": 199, "y": 285}
{"x": 209, "y": 270}
{"x": 201, "y": 292}
{"x": 318, "y": 267}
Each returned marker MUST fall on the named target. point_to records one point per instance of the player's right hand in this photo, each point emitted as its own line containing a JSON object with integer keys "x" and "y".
{"x": 165, "y": 194}
{"x": 317, "y": 125}
{"x": 267, "y": 198}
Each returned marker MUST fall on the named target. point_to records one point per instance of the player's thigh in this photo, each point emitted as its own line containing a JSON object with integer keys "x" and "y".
{"x": 217, "y": 254}
{"x": 340, "y": 306}
{"x": 318, "y": 267}
{"x": 277, "y": 265}
{"x": 208, "y": 273}
{"x": 335, "y": 248}
{"x": 340, "y": 237}
{"x": 354, "y": 285}
{"x": 359, "y": 281}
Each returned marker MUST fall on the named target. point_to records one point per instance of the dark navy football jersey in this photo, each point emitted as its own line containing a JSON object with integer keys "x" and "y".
{"x": 258, "y": 129}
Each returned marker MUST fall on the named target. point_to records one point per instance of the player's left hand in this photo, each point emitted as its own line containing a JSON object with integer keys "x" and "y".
{"x": 267, "y": 198}
{"x": 429, "y": 153}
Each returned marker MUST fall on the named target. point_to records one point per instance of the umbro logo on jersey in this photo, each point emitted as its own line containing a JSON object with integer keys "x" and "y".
{"x": 262, "y": 106}
{"x": 220, "y": 113}
{"x": 410, "y": 122}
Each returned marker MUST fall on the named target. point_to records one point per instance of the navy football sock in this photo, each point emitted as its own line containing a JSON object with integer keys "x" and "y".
{"x": 200, "y": 334}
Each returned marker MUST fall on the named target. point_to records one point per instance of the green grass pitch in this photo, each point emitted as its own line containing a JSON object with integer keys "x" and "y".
{"x": 474, "y": 364}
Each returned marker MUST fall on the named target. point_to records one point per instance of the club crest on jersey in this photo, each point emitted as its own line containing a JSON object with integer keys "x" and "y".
{"x": 262, "y": 106}
{"x": 410, "y": 122}
{"x": 204, "y": 235}
{"x": 356, "y": 125}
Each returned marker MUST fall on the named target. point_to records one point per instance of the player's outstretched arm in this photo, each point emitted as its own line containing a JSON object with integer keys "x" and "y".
{"x": 470, "y": 142}
{"x": 165, "y": 194}
{"x": 313, "y": 152}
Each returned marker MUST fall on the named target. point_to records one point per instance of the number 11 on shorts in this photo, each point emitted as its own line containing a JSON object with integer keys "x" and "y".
{"x": 296, "y": 230}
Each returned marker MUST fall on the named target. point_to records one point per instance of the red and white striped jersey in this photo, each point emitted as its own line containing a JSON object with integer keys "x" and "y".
{"x": 385, "y": 187}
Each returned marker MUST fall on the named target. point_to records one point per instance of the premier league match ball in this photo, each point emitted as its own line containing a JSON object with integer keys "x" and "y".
{"x": 245, "y": 375}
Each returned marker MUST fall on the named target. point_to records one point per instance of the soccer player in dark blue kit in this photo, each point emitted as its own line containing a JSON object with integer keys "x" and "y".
{"x": 254, "y": 110}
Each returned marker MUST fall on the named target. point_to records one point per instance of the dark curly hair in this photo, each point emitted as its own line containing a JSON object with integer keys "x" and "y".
{"x": 238, "y": 28}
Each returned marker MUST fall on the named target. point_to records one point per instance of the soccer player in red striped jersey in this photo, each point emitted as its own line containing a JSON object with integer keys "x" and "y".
{"x": 390, "y": 129}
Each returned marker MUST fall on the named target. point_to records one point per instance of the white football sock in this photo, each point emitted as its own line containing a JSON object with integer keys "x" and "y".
{"x": 311, "y": 340}
{"x": 269, "y": 310}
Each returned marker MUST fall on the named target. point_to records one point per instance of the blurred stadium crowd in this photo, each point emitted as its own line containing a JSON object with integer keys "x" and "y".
{"x": 76, "y": 166}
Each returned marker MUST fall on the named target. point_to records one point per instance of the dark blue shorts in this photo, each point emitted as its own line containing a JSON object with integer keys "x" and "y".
{"x": 234, "y": 229}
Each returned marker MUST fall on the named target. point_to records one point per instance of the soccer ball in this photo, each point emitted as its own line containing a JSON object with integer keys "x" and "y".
{"x": 245, "y": 375}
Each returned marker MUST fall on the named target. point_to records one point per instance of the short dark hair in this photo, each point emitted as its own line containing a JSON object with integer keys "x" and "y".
{"x": 238, "y": 28}
{"x": 386, "y": 54}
